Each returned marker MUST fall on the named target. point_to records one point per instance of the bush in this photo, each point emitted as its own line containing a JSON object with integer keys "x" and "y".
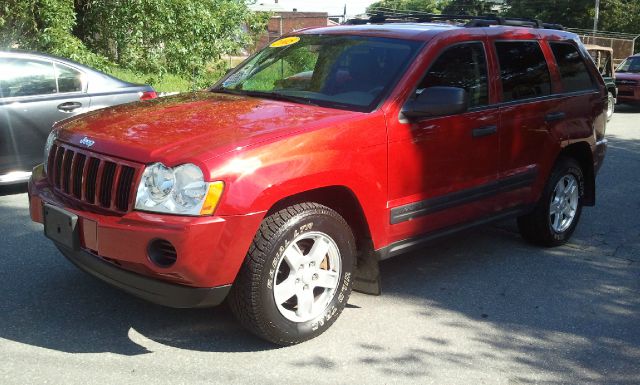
{"x": 186, "y": 37}
{"x": 45, "y": 25}
{"x": 182, "y": 37}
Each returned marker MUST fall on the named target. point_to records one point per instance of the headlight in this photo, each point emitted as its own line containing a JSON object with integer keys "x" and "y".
{"x": 180, "y": 190}
{"x": 47, "y": 148}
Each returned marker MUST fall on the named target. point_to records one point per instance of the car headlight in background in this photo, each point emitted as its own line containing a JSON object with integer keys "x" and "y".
{"x": 181, "y": 190}
{"x": 47, "y": 148}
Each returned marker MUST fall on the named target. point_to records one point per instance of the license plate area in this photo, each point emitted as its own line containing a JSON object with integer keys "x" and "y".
{"x": 61, "y": 226}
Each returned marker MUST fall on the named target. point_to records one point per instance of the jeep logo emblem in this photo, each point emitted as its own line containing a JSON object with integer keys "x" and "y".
{"x": 87, "y": 142}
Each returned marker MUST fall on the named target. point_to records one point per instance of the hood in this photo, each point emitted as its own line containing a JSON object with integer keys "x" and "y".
{"x": 194, "y": 125}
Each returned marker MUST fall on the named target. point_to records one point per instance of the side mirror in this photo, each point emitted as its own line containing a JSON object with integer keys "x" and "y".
{"x": 437, "y": 101}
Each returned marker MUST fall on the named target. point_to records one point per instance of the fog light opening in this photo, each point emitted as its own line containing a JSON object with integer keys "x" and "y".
{"x": 162, "y": 253}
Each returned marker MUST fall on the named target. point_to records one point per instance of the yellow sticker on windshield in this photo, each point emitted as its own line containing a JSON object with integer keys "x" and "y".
{"x": 285, "y": 42}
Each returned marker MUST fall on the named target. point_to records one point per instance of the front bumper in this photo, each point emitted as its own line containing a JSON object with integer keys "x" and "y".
{"x": 114, "y": 248}
{"x": 152, "y": 290}
{"x": 628, "y": 94}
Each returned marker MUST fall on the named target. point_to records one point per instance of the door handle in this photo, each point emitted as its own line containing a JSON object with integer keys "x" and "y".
{"x": 553, "y": 116}
{"x": 484, "y": 131}
{"x": 69, "y": 106}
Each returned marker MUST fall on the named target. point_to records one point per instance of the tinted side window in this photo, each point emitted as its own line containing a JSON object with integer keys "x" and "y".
{"x": 463, "y": 66}
{"x": 523, "y": 70}
{"x": 26, "y": 77}
{"x": 573, "y": 70}
{"x": 69, "y": 79}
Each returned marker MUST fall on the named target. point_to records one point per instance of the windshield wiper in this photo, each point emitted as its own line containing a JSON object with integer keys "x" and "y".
{"x": 267, "y": 95}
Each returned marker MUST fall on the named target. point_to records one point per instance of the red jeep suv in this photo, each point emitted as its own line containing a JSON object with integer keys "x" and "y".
{"x": 282, "y": 187}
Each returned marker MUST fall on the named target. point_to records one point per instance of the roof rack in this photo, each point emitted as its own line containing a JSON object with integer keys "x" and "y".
{"x": 386, "y": 15}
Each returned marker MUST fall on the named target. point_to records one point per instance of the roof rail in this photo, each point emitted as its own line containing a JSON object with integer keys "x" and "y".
{"x": 387, "y": 15}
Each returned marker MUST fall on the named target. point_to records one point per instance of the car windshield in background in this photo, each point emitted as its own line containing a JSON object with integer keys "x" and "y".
{"x": 632, "y": 64}
{"x": 350, "y": 72}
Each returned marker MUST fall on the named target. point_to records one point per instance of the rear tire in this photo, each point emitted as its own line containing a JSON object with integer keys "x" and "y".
{"x": 611, "y": 106}
{"x": 297, "y": 276}
{"x": 556, "y": 215}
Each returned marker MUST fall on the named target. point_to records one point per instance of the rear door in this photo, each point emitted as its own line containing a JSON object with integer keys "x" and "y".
{"x": 529, "y": 112}
{"x": 580, "y": 90}
{"x": 34, "y": 93}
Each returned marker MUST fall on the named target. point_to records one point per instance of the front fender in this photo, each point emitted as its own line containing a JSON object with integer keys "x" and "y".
{"x": 353, "y": 156}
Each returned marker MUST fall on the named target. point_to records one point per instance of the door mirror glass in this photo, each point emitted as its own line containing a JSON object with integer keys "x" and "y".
{"x": 437, "y": 101}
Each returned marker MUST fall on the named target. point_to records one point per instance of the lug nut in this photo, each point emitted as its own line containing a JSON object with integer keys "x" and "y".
{"x": 314, "y": 277}
{"x": 306, "y": 287}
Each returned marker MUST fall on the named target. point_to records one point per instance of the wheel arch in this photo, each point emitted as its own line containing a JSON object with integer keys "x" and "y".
{"x": 339, "y": 198}
{"x": 344, "y": 201}
{"x": 581, "y": 152}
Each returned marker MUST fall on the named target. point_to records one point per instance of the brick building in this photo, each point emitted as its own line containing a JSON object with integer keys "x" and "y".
{"x": 284, "y": 21}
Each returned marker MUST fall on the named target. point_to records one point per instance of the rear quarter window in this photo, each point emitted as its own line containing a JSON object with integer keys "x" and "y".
{"x": 573, "y": 70}
{"x": 523, "y": 70}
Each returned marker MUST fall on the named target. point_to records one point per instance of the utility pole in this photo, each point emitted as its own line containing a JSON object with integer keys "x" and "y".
{"x": 595, "y": 18}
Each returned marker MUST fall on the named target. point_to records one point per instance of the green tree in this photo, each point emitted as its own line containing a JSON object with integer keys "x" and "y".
{"x": 571, "y": 13}
{"x": 44, "y": 25}
{"x": 184, "y": 37}
{"x": 429, "y": 6}
{"x": 615, "y": 15}
{"x": 620, "y": 16}
{"x": 467, "y": 7}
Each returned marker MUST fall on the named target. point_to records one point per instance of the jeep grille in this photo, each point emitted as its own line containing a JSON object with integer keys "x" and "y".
{"x": 93, "y": 179}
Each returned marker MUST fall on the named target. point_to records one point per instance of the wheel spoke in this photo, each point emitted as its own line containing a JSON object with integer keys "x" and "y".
{"x": 305, "y": 302}
{"x": 285, "y": 290}
{"x": 327, "y": 279}
{"x": 556, "y": 221}
{"x": 318, "y": 251}
{"x": 293, "y": 256}
{"x": 568, "y": 189}
{"x": 568, "y": 212}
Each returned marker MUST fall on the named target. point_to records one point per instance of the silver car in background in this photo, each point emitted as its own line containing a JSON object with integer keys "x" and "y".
{"x": 37, "y": 90}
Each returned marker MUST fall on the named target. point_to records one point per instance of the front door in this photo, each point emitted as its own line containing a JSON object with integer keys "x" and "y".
{"x": 443, "y": 169}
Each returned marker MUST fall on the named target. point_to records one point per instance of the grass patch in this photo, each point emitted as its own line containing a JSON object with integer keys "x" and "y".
{"x": 165, "y": 83}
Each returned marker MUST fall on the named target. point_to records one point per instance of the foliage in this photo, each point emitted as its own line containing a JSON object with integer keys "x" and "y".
{"x": 430, "y": 6}
{"x": 573, "y": 13}
{"x": 44, "y": 25}
{"x": 466, "y": 7}
{"x": 615, "y": 15}
{"x": 184, "y": 37}
{"x": 164, "y": 83}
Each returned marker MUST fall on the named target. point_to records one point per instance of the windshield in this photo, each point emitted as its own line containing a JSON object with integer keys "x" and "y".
{"x": 351, "y": 72}
{"x": 631, "y": 64}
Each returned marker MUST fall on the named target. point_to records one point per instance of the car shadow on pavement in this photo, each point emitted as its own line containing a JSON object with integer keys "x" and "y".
{"x": 571, "y": 311}
{"x": 626, "y": 109}
{"x": 579, "y": 304}
{"x": 48, "y": 302}
{"x": 13, "y": 189}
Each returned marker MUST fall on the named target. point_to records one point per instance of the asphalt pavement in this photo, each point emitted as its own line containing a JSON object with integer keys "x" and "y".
{"x": 481, "y": 307}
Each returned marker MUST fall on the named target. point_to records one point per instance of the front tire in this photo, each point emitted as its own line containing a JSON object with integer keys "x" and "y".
{"x": 556, "y": 215}
{"x": 611, "y": 105}
{"x": 297, "y": 276}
